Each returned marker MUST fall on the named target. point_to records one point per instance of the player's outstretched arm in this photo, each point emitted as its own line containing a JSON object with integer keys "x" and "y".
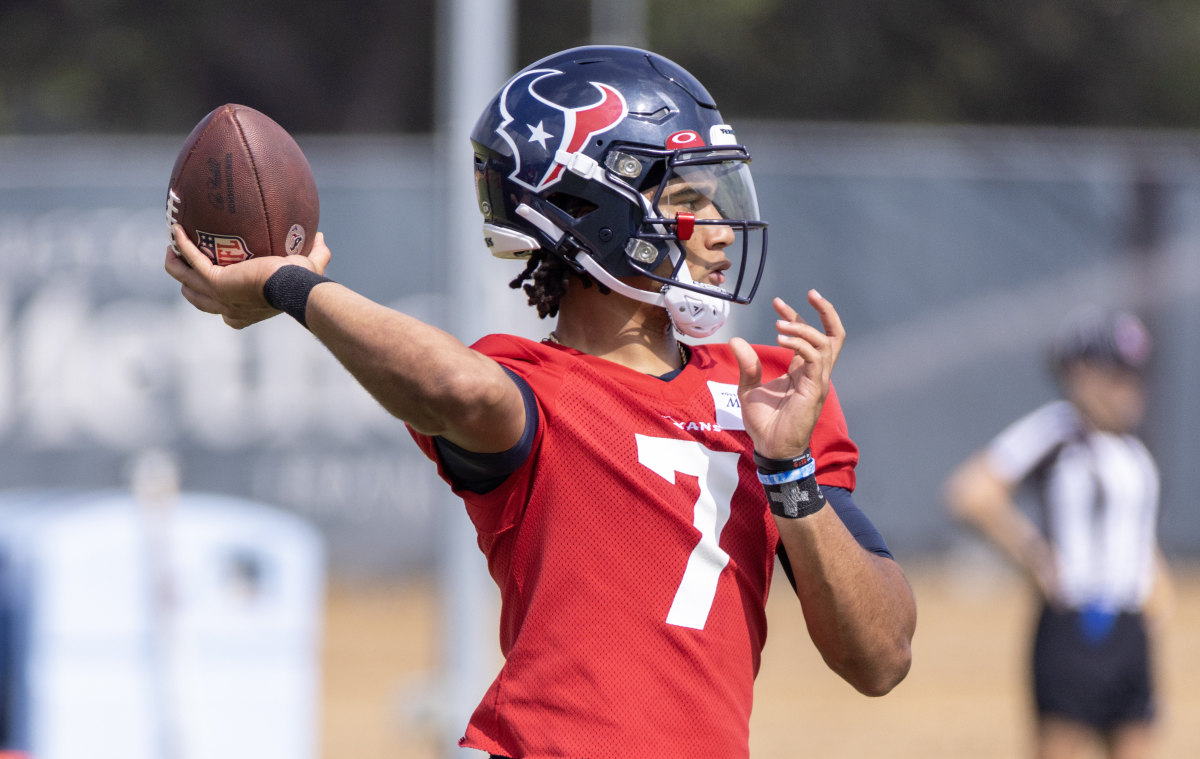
{"x": 858, "y": 606}
{"x": 419, "y": 373}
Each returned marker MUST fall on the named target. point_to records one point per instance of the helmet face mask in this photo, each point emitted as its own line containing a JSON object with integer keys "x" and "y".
{"x": 585, "y": 154}
{"x": 703, "y": 188}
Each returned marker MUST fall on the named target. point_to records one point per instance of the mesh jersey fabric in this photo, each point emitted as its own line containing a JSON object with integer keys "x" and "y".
{"x": 633, "y": 551}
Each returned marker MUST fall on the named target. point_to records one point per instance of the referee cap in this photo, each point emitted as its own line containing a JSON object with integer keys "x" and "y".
{"x": 1101, "y": 336}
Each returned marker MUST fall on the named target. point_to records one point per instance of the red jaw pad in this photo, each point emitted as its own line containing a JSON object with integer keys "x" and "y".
{"x": 685, "y": 224}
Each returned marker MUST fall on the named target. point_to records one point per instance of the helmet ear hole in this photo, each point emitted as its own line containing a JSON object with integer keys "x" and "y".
{"x": 653, "y": 176}
{"x": 571, "y": 205}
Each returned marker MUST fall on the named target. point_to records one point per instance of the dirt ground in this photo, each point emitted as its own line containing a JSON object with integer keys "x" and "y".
{"x": 964, "y": 699}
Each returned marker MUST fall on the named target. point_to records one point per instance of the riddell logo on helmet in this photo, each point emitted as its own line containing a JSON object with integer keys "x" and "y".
{"x": 538, "y": 129}
{"x": 721, "y": 134}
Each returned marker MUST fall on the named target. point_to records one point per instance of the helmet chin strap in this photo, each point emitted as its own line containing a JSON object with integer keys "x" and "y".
{"x": 692, "y": 314}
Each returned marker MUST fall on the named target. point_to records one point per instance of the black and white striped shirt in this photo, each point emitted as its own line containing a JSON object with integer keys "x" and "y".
{"x": 1099, "y": 494}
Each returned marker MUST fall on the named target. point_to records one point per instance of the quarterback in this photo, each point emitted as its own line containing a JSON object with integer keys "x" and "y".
{"x": 631, "y": 493}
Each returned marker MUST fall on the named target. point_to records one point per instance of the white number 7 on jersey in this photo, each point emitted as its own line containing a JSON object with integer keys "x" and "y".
{"x": 717, "y": 474}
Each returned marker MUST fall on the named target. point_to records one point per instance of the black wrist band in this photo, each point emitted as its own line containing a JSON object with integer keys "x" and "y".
{"x": 795, "y": 499}
{"x": 288, "y": 289}
{"x": 767, "y": 466}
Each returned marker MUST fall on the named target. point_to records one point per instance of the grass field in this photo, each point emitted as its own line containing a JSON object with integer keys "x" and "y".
{"x": 964, "y": 699}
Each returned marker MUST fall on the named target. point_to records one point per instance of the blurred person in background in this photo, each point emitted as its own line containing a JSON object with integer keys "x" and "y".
{"x": 1092, "y": 554}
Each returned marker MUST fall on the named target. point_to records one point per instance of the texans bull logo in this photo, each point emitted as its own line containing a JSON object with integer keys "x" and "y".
{"x": 537, "y": 128}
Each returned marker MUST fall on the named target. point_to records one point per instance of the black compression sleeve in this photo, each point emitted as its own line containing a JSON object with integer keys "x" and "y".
{"x": 483, "y": 472}
{"x": 859, "y": 525}
{"x": 856, "y": 522}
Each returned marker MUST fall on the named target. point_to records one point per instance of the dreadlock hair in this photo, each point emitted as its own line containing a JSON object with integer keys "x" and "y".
{"x": 549, "y": 275}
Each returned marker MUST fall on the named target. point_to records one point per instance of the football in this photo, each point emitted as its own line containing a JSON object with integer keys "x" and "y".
{"x": 241, "y": 188}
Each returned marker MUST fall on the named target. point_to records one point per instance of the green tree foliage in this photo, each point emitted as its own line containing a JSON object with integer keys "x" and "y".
{"x": 1069, "y": 62}
{"x": 146, "y": 66}
{"x": 368, "y": 66}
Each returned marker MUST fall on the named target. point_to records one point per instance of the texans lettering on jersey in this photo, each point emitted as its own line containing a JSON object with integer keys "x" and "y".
{"x": 633, "y": 552}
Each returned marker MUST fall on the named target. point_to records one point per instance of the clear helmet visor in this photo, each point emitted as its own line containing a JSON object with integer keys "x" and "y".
{"x": 721, "y": 190}
{"x": 706, "y": 207}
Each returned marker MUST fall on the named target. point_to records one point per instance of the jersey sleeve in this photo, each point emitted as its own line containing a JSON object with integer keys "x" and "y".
{"x": 835, "y": 453}
{"x": 493, "y": 486}
{"x": 865, "y": 533}
{"x": 483, "y": 472}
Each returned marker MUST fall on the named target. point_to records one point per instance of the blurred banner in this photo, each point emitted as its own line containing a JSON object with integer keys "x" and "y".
{"x": 157, "y": 625}
{"x": 950, "y": 254}
{"x": 101, "y": 358}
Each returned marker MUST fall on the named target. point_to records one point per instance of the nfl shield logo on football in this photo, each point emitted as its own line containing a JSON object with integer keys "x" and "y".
{"x": 224, "y": 249}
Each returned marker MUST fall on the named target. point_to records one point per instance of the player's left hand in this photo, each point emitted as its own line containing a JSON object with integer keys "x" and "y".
{"x": 234, "y": 291}
{"x": 780, "y": 414}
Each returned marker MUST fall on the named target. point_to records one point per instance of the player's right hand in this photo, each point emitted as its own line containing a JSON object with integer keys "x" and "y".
{"x": 234, "y": 291}
{"x": 780, "y": 414}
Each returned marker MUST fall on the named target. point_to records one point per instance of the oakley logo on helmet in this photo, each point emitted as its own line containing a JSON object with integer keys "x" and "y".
{"x": 689, "y": 138}
{"x": 537, "y": 129}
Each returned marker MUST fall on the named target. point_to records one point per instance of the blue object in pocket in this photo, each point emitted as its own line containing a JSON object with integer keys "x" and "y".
{"x": 1096, "y": 622}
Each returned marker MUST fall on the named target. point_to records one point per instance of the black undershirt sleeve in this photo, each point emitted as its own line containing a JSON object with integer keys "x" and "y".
{"x": 856, "y": 522}
{"x": 483, "y": 472}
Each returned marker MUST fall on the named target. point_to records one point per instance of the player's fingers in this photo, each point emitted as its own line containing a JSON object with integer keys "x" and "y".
{"x": 808, "y": 347}
{"x": 189, "y": 252}
{"x": 801, "y": 329}
{"x": 749, "y": 365}
{"x": 830, "y": 319}
{"x": 175, "y": 265}
{"x": 191, "y": 280}
{"x": 832, "y": 322}
{"x": 200, "y": 301}
{"x": 802, "y": 338}
{"x": 320, "y": 253}
{"x": 184, "y": 274}
{"x": 786, "y": 312}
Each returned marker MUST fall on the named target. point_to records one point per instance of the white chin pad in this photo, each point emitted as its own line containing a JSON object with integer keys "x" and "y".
{"x": 693, "y": 314}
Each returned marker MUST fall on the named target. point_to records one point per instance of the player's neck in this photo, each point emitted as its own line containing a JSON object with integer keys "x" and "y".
{"x": 619, "y": 329}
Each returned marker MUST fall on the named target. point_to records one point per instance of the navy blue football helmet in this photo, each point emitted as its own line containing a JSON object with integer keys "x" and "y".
{"x": 577, "y": 154}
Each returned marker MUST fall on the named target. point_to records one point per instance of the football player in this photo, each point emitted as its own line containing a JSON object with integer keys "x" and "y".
{"x": 631, "y": 492}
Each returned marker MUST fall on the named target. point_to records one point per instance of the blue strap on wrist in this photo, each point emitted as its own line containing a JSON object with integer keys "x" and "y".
{"x": 791, "y": 475}
{"x": 791, "y": 485}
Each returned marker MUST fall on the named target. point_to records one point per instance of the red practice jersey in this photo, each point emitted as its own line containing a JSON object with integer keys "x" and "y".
{"x": 633, "y": 551}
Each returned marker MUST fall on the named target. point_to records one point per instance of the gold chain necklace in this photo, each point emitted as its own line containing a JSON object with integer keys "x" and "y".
{"x": 683, "y": 353}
